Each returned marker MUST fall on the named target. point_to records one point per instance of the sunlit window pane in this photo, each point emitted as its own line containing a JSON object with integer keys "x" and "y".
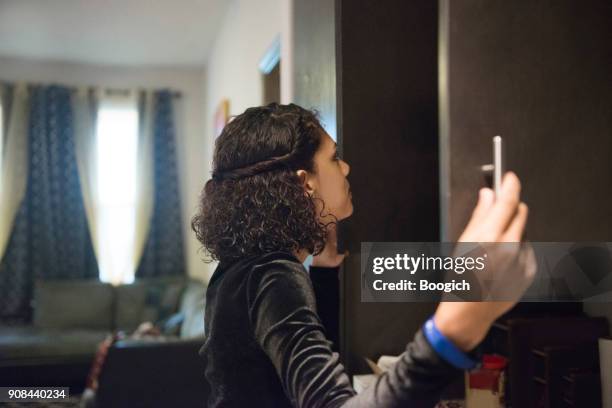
{"x": 117, "y": 130}
{"x": 117, "y": 136}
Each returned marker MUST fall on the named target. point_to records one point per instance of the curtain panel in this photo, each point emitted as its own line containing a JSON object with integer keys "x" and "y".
{"x": 164, "y": 254}
{"x": 50, "y": 237}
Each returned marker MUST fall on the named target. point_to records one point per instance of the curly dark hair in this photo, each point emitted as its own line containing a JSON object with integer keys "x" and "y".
{"x": 255, "y": 202}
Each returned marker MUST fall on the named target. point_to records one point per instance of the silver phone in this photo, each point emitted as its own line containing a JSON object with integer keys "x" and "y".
{"x": 498, "y": 164}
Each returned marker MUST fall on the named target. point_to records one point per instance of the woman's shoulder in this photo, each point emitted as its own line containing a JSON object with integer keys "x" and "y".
{"x": 279, "y": 285}
{"x": 261, "y": 268}
{"x": 278, "y": 262}
{"x": 276, "y": 258}
{"x": 280, "y": 270}
{"x": 238, "y": 268}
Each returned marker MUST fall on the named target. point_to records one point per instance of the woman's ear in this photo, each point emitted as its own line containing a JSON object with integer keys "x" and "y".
{"x": 306, "y": 181}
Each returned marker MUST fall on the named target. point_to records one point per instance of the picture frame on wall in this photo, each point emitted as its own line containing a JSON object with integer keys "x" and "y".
{"x": 221, "y": 117}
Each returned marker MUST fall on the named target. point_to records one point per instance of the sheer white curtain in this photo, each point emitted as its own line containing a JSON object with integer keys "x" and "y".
{"x": 85, "y": 104}
{"x": 14, "y": 160}
{"x": 145, "y": 194}
{"x": 114, "y": 151}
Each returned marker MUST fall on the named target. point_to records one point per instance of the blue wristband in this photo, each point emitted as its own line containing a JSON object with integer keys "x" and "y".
{"x": 445, "y": 348}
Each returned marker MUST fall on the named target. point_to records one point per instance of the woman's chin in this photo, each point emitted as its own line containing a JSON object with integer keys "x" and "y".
{"x": 348, "y": 212}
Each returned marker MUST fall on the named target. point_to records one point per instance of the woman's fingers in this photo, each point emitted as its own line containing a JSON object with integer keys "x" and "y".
{"x": 504, "y": 209}
{"x": 515, "y": 230}
{"x": 486, "y": 198}
{"x": 501, "y": 218}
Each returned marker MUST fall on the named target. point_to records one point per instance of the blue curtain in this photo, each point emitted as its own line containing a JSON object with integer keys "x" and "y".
{"x": 163, "y": 254}
{"x": 50, "y": 237}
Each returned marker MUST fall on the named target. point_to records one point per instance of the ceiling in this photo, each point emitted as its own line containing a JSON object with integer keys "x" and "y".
{"x": 117, "y": 32}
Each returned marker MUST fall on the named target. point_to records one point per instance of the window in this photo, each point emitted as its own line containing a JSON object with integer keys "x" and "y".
{"x": 117, "y": 143}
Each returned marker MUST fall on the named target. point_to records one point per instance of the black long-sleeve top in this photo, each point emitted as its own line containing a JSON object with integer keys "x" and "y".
{"x": 267, "y": 347}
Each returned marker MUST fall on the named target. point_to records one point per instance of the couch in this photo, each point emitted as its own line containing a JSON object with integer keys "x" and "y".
{"x": 71, "y": 318}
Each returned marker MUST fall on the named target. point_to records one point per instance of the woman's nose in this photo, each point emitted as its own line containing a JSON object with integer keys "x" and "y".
{"x": 346, "y": 168}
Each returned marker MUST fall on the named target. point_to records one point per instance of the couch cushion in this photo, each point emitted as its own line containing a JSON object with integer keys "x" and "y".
{"x": 147, "y": 299}
{"x": 28, "y": 342}
{"x": 129, "y": 306}
{"x": 73, "y": 304}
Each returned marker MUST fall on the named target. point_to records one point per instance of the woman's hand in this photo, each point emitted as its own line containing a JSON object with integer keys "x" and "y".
{"x": 330, "y": 258}
{"x": 500, "y": 219}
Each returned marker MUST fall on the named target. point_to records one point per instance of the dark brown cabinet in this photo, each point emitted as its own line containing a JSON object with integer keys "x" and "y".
{"x": 415, "y": 90}
{"x": 539, "y": 74}
{"x": 371, "y": 70}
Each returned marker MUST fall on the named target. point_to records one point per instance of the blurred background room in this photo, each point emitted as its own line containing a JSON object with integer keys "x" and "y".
{"x": 109, "y": 111}
{"x": 108, "y": 115}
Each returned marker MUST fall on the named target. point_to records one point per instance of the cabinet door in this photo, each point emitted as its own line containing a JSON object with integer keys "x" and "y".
{"x": 538, "y": 73}
{"x": 371, "y": 68}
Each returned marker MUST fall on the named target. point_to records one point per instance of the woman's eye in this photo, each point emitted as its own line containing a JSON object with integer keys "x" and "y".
{"x": 336, "y": 156}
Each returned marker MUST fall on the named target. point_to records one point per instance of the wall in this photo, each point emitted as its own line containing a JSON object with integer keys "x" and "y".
{"x": 189, "y": 117}
{"x": 247, "y": 32}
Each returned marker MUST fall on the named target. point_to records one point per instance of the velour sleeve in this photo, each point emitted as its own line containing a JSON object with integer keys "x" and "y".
{"x": 285, "y": 323}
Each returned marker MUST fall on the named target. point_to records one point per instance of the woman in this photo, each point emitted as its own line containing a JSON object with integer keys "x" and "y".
{"x": 277, "y": 190}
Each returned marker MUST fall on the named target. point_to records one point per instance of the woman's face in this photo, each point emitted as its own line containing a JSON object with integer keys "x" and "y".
{"x": 328, "y": 182}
